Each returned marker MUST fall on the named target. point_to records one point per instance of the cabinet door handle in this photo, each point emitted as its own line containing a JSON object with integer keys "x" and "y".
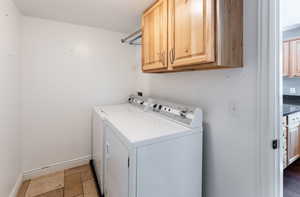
{"x": 163, "y": 58}
{"x": 171, "y": 54}
{"x": 107, "y": 149}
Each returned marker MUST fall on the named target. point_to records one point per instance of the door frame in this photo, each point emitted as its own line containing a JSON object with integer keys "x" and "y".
{"x": 269, "y": 99}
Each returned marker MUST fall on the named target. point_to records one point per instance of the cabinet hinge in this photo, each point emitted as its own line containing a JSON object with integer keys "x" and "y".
{"x": 275, "y": 144}
{"x": 128, "y": 162}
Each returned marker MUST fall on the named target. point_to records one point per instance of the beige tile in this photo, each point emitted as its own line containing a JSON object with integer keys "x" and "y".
{"x": 72, "y": 180}
{"x": 55, "y": 193}
{"x": 73, "y": 185}
{"x": 91, "y": 195}
{"x": 76, "y": 170}
{"x": 87, "y": 175}
{"x": 74, "y": 190}
{"x": 45, "y": 184}
{"x": 23, "y": 188}
{"x": 89, "y": 188}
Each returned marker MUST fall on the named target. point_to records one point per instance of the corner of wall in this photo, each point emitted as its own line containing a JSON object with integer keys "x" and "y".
{"x": 17, "y": 186}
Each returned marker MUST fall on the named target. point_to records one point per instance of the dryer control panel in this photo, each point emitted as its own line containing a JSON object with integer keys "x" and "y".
{"x": 189, "y": 116}
{"x": 138, "y": 101}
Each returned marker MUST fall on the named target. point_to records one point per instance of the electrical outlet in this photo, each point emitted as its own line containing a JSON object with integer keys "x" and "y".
{"x": 292, "y": 90}
{"x": 140, "y": 93}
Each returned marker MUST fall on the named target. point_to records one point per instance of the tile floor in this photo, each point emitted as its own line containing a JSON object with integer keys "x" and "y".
{"x": 75, "y": 182}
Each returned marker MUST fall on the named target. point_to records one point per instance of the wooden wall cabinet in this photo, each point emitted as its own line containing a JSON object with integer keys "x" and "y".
{"x": 155, "y": 36}
{"x": 295, "y": 57}
{"x": 191, "y": 32}
{"x": 183, "y": 35}
{"x": 291, "y": 58}
{"x": 286, "y": 58}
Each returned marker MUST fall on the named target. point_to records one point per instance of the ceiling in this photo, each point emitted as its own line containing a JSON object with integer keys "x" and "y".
{"x": 115, "y": 15}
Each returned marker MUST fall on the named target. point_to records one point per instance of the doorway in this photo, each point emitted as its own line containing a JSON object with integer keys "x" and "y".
{"x": 277, "y": 146}
{"x": 279, "y": 98}
{"x": 290, "y": 88}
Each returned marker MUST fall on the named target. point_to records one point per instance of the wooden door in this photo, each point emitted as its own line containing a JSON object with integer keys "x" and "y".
{"x": 191, "y": 32}
{"x": 286, "y": 58}
{"x": 293, "y": 144}
{"x": 155, "y": 32}
{"x": 116, "y": 166}
{"x": 295, "y": 58}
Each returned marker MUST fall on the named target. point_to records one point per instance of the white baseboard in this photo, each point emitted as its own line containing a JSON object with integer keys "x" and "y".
{"x": 17, "y": 186}
{"x": 30, "y": 174}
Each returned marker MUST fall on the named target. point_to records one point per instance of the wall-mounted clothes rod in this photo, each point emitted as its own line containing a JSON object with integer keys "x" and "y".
{"x": 133, "y": 41}
{"x": 132, "y": 38}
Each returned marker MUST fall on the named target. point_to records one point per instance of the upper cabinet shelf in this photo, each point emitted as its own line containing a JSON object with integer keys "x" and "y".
{"x": 183, "y": 35}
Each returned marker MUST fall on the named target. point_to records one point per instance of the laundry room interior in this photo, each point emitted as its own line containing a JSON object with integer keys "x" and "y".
{"x": 172, "y": 80}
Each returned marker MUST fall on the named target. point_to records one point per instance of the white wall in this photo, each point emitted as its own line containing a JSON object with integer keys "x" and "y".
{"x": 291, "y": 83}
{"x": 10, "y": 165}
{"x": 290, "y": 12}
{"x": 66, "y": 70}
{"x": 291, "y": 34}
{"x": 228, "y": 98}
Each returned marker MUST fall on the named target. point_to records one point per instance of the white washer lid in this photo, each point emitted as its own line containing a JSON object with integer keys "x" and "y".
{"x": 138, "y": 126}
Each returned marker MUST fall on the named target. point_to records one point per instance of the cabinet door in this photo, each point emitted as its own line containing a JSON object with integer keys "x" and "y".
{"x": 191, "y": 32}
{"x": 116, "y": 166}
{"x": 284, "y": 147}
{"x": 293, "y": 144}
{"x": 286, "y": 58}
{"x": 295, "y": 58}
{"x": 155, "y": 32}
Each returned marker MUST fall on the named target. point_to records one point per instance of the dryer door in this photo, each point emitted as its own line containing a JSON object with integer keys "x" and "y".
{"x": 98, "y": 147}
{"x": 116, "y": 166}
